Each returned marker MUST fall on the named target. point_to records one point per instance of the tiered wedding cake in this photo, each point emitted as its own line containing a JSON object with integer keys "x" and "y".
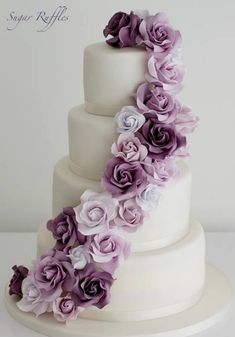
{"x": 165, "y": 272}
{"x": 121, "y": 245}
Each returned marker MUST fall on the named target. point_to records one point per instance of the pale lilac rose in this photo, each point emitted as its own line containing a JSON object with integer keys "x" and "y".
{"x": 123, "y": 179}
{"x": 186, "y": 121}
{"x": 109, "y": 250}
{"x": 20, "y": 273}
{"x": 156, "y": 103}
{"x": 95, "y": 212}
{"x": 53, "y": 274}
{"x": 148, "y": 199}
{"x": 130, "y": 216}
{"x": 129, "y": 148}
{"x": 167, "y": 73}
{"x": 124, "y": 29}
{"x": 129, "y": 120}
{"x": 64, "y": 229}
{"x": 33, "y": 299}
{"x": 64, "y": 309}
{"x": 164, "y": 170}
{"x": 158, "y": 35}
{"x": 79, "y": 256}
{"x": 92, "y": 287}
{"x": 161, "y": 140}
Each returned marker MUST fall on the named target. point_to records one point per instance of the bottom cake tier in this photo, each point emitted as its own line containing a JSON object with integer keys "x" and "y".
{"x": 154, "y": 283}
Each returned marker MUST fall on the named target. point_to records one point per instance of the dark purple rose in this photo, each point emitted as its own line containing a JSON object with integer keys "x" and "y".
{"x": 161, "y": 140}
{"x": 158, "y": 35}
{"x": 53, "y": 274}
{"x": 64, "y": 229}
{"x": 124, "y": 28}
{"x": 123, "y": 179}
{"x": 20, "y": 273}
{"x": 92, "y": 287}
{"x": 157, "y": 103}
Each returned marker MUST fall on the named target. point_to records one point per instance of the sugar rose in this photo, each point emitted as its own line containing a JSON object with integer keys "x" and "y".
{"x": 53, "y": 274}
{"x": 129, "y": 148}
{"x": 129, "y": 120}
{"x": 161, "y": 140}
{"x": 95, "y": 212}
{"x": 167, "y": 73}
{"x": 92, "y": 287}
{"x": 109, "y": 250}
{"x": 158, "y": 36}
{"x": 34, "y": 299}
{"x": 123, "y": 179}
{"x": 156, "y": 103}
{"x": 130, "y": 216}
{"x": 124, "y": 29}
{"x": 64, "y": 229}
{"x": 20, "y": 273}
{"x": 64, "y": 309}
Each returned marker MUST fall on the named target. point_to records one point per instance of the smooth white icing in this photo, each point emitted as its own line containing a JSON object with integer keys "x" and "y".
{"x": 90, "y": 141}
{"x": 111, "y": 77}
{"x": 155, "y": 283}
{"x": 165, "y": 225}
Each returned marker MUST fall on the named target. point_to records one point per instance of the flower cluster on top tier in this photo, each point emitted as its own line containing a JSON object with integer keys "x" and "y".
{"x": 89, "y": 247}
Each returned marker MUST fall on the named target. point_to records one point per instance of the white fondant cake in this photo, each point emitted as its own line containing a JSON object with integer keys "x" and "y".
{"x": 167, "y": 261}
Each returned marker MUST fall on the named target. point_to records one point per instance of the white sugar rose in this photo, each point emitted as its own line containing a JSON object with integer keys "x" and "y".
{"x": 79, "y": 257}
{"x": 129, "y": 120}
{"x": 149, "y": 198}
{"x": 95, "y": 212}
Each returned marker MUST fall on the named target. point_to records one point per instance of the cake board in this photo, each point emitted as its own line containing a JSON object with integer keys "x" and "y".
{"x": 212, "y": 307}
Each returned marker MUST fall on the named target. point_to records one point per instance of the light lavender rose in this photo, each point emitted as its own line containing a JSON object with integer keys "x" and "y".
{"x": 129, "y": 120}
{"x": 92, "y": 287}
{"x": 130, "y": 216}
{"x": 129, "y": 148}
{"x": 156, "y": 103}
{"x": 109, "y": 250}
{"x": 158, "y": 36}
{"x": 167, "y": 73}
{"x": 79, "y": 256}
{"x": 148, "y": 199}
{"x": 52, "y": 274}
{"x": 124, "y": 29}
{"x": 95, "y": 212}
{"x": 64, "y": 309}
{"x": 123, "y": 179}
{"x": 161, "y": 140}
{"x": 186, "y": 121}
{"x": 164, "y": 170}
{"x": 34, "y": 299}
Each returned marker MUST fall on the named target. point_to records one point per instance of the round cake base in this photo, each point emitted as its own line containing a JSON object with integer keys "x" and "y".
{"x": 211, "y": 308}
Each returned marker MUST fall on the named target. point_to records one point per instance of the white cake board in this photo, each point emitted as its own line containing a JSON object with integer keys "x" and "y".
{"x": 212, "y": 307}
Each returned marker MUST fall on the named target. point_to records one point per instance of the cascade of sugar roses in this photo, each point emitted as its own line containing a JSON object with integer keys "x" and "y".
{"x": 80, "y": 269}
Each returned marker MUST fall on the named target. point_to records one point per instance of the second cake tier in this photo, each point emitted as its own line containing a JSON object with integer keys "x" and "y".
{"x": 165, "y": 225}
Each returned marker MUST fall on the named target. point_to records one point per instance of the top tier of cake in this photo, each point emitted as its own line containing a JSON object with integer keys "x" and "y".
{"x": 111, "y": 76}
